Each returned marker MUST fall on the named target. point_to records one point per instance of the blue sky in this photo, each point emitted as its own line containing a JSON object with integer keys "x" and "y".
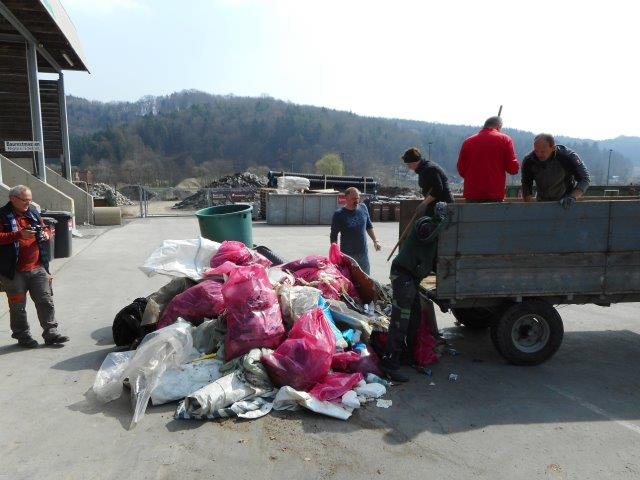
{"x": 566, "y": 67}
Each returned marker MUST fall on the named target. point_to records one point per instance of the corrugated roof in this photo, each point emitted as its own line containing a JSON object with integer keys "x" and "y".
{"x": 50, "y": 25}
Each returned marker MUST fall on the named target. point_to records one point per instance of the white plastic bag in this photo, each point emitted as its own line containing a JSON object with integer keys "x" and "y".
{"x": 350, "y": 399}
{"x": 370, "y": 390}
{"x": 291, "y": 399}
{"x": 293, "y": 184}
{"x": 179, "y": 381}
{"x": 181, "y": 258}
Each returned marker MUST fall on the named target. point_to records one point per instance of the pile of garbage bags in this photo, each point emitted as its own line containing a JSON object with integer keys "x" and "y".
{"x": 233, "y": 335}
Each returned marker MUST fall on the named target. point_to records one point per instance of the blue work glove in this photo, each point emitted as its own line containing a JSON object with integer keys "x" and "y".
{"x": 567, "y": 201}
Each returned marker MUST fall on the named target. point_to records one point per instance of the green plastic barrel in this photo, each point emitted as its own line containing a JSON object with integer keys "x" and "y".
{"x": 227, "y": 222}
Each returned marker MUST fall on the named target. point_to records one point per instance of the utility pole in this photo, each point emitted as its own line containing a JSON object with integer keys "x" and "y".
{"x": 609, "y": 167}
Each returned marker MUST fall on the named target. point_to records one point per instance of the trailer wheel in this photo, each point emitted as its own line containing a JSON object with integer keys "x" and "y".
{"x": 474, "y": 317}
{"x": 528, "y": 333}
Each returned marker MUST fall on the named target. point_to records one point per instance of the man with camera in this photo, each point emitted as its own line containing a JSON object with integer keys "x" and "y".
{"x": 24, "y": 267}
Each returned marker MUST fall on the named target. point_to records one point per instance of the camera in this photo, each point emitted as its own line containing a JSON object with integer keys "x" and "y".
{"x": 39, "y": 233}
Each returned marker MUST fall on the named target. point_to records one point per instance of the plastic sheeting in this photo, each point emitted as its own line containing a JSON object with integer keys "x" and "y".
{"x": 181, "y": 258}
{"x": 179, "y": 381}
{"x": 222, "y": 393}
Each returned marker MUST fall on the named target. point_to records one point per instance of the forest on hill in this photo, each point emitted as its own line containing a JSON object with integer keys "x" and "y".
{"x": 161, "y": 140}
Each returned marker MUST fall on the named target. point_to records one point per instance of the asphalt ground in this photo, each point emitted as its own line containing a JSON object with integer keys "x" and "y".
{"x": 577, "y": 416}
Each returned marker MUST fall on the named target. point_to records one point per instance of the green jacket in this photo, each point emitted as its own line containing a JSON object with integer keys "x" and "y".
{"x": 419, "y": 250}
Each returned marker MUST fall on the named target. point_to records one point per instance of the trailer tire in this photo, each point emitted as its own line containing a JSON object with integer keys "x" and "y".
{"x": 528, "y": 333}
{"x": 476, "y": 318}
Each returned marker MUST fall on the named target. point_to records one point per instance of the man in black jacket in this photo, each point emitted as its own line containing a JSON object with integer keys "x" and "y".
{"x": 431, "y": 178}
{"x": 558, "y": 172}
{"x": 24, "y": 267}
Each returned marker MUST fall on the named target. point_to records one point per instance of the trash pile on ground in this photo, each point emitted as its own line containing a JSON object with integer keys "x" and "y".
{"x": 392, "y": 191}
{"x": 246, "y": 184}
{"x": 232, "y": 335}
{"x": 112, "y": 196}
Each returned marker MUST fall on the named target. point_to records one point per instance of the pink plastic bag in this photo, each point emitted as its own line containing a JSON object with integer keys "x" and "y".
{"x": 352, "y": 362}
{"x": 304, "y": 358}
{"x": 310, "y": 261}
{"x": 321, "y": 273}
{"x": 194, "y": 304}
{"x": 424, "y": 344}
{"x": 253, "y": 313}
{"x": 335, "y": 385}
{"x": 238, "y": 254}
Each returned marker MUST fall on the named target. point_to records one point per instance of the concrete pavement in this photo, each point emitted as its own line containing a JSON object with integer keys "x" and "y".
{"x": 575, "y": 417}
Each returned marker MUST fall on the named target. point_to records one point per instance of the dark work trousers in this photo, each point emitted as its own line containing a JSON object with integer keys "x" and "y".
{"x": 37, "y": 283}
{"x": 405, "y": 311}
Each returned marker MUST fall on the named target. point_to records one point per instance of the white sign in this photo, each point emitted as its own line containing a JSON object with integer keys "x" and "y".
{"x": 21, "y": 146}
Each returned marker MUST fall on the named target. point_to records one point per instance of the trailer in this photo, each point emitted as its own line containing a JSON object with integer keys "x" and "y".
{"x": 507, "y": 265}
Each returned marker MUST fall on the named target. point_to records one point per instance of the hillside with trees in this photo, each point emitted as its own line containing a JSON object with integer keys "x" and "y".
{"x": 161, "y": 140}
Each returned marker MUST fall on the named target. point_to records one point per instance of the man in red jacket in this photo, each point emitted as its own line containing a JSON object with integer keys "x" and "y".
{"x": 485, "y": 159}
{"x": 24, "y": 267}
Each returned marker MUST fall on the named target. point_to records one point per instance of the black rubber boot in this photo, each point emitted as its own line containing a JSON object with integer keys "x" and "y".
{"x": 391, "y": 369}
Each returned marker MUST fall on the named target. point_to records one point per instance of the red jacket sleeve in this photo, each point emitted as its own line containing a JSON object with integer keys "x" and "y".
{"x": 9, "y": 237}
{"x": 511, "y": 164}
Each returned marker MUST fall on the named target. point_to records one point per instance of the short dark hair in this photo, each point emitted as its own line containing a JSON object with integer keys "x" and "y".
{"x": 547, "y": 137}
{"x": 493, "y": 122}
{"x": 411, "y": 155}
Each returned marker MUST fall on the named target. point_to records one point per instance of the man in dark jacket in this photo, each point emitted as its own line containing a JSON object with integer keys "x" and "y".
{"x": 558, "y": 172}
{"x": 24, "y": 267}
{"x": 431, "y": 178}
{"x": 413, "y": 263}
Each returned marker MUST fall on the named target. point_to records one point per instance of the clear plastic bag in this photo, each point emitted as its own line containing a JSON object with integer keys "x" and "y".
{"x": 164, "y": 348}
{"x": 108, "y": 383}
{"x": 296, "y": 300}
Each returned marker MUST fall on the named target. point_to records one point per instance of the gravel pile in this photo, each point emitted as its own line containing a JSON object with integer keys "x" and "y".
{"x": 246, "y": 181}
{"x": 112, "y": 196}
{"x": 397, "y": 191}
{"x": 133, "y": 192}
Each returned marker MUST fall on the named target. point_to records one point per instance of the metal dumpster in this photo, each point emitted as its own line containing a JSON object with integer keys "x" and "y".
{"x": 301, "y": 209}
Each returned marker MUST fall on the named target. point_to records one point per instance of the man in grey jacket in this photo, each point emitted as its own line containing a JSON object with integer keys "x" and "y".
{"x": 558, "y": 172}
